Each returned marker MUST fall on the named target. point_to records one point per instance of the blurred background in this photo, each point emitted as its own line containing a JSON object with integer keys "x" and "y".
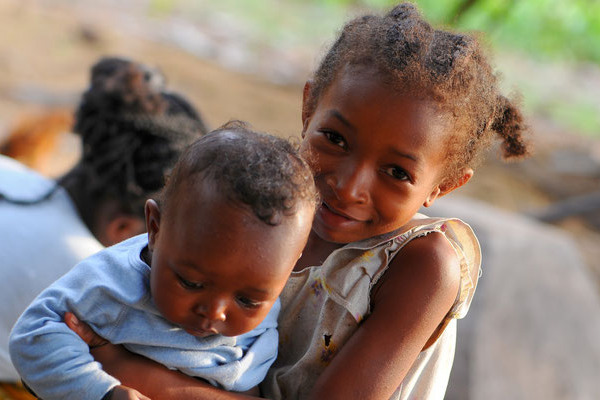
{"x": 248, "y": 59}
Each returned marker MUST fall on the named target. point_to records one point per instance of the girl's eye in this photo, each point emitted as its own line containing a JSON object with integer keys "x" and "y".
{"x": 247, "y": 303}
{"x": 397, "y": 173}
{"x": 189, "y": 285}
{"x": 335, "y": 138}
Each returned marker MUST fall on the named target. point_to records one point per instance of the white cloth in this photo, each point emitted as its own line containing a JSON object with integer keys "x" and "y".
{"x": 39, "y": 242}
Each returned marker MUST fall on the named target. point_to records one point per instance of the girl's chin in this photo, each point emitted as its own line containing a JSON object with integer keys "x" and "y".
{"x": 335, "y": 235}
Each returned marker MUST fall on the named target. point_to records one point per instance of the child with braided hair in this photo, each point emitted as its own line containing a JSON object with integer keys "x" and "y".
{"x": 132, "y": 130}
{"x": 397, "y": 115}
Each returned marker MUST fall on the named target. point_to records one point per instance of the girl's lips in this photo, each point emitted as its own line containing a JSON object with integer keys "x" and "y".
{"x": 333, "y": 217}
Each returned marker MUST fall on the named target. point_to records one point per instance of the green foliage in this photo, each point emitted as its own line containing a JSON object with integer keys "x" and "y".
{"x": 544, "y": 28}
{"x": 549, "y": 31}
{"x": 161, "y": 7}
{"x": 547, "y": 28}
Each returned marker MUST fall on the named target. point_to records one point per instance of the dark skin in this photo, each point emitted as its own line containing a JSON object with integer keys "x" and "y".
{"x": 105, "y": 219}
{"x": 158, "y": 382}
{"x": 379, "y": 156}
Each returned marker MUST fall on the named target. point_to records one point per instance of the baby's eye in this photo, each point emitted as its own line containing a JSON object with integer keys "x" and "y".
{"x": 248, "y": 303}
{"x": 335, "y": 138}
{"x": 397, "y": 173}
{"x": 189, "y": 285}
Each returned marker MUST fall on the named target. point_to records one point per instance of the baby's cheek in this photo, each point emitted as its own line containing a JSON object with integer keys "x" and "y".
{"x": 247, "y": 323}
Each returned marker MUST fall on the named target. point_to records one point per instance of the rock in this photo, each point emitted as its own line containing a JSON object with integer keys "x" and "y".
{"x": 533, "y": 328}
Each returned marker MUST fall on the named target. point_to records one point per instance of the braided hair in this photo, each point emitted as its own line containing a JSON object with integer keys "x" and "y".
{"x": 449, "y": 68}
{"x": 132, "y": 132}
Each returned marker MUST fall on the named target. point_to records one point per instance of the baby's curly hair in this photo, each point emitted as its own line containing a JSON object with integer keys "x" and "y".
{"x": 261, "y": 171}
{"x": 449, "y": 68}
{"x": 132, "y": 131}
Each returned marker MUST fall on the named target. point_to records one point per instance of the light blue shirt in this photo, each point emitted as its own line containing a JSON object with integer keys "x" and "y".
{"x": 41, "y": 238}
{"x": 110, "y": 291}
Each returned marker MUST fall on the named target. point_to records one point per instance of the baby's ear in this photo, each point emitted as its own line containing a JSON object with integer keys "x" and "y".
{"x": 152, "y": 221}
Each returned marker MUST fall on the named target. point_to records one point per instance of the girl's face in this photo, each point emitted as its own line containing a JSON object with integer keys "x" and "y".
{"x": 378, "y": 156}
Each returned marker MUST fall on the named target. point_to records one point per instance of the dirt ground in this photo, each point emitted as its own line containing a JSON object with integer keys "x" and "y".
{"x": 46, "y": 49}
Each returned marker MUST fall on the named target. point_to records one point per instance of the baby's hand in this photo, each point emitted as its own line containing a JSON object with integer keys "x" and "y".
{"x": 126, "y": 393}
{"x": 84, "y": 331}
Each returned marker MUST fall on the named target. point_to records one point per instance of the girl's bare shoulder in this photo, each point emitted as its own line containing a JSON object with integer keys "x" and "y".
{"x": 429, "y": 265}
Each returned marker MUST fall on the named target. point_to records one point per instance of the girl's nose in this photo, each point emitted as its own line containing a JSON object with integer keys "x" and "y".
{"x": 351, "y": 183}
{"x": 214, "y": 311}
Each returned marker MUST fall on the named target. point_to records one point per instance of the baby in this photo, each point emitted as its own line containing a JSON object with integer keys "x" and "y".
{"x": 199, "y": 292}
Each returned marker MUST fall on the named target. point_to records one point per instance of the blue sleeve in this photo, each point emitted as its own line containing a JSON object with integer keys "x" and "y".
{"x": 50, "y": 357}
{"x": 260, "y": 351}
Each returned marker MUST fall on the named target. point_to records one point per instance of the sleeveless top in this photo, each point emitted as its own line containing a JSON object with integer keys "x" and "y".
{"x": 323, "y": 306}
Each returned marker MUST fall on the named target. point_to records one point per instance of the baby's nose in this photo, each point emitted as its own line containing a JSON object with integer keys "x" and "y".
{"x": 214, "y": 311}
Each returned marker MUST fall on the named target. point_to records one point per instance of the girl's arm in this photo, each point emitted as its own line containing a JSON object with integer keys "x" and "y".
{"x": 149, "y": 377}
{"x": 410, "y": 302}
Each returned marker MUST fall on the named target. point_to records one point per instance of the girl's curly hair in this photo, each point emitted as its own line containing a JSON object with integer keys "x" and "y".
{"x": 449, "y": 68}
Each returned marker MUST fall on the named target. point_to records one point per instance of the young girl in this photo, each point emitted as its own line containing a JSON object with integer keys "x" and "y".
{"x": 396, "y": 116}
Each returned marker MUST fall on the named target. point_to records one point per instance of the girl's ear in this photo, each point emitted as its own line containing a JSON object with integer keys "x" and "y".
{"x": 435, "y": 193}
{"x": 152, "y": 222}
{"x": 444, "y": 188}
{"x": 306, "y": 113}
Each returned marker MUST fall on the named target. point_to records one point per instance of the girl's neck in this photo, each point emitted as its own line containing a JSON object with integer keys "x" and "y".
{"x": 315, "y": 252}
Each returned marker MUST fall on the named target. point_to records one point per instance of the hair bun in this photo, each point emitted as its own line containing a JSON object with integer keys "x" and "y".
{"x": 119, "y": 85}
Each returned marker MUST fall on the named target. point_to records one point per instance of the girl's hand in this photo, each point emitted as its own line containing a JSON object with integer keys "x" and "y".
{"x": 125, "y": 393}
{"x": 84, "y": 331}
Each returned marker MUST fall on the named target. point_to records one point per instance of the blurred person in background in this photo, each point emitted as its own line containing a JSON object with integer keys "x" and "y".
{"x": 132, "y": 131}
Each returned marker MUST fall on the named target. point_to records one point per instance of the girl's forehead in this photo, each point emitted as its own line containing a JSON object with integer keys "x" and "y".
{"x": 359, "y": 91}
{"x": 365, "y": 80}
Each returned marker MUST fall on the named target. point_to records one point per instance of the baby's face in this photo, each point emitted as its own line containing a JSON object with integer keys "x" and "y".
{"x": 216, "y": 268}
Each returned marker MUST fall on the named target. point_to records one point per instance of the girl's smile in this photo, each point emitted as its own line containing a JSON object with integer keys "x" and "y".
{"x": 378, "y": 156}
{"x": 337, "y": 216}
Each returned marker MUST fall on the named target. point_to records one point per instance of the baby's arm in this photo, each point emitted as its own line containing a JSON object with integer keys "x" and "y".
{"x": 146, "y": 375}
{"x": 51, "y": 358}
{"x": 415, "y": 294}
{"x": 155, "y": 379}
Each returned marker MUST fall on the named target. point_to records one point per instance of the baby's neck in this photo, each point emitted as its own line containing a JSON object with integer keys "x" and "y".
{"x": 315, "y": 252}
